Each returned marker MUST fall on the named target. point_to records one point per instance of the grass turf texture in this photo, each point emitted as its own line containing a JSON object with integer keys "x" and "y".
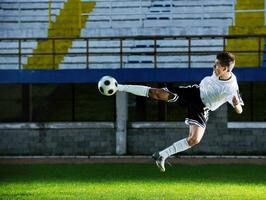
{"x": 131, "y": 181}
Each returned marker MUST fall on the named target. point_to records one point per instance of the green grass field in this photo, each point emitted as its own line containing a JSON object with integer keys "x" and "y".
{"x": 131, "y": 181}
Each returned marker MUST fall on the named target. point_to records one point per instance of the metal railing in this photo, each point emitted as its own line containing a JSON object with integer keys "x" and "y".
{"x": 127, "y": 52}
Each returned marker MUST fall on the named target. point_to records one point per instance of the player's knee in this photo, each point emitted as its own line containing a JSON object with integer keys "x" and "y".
{"x": 193, "y": 141}
{"x": 154, "y": 93}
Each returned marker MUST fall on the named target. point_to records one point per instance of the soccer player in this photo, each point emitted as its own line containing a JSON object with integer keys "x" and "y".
{"x": 210, "y": 94}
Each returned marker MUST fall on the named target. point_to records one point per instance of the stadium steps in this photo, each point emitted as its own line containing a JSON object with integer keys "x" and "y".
{"x": 137, "y": 50}
{"x": 11, "y": 47}
{"x": 123, "y": 13}
{"x": 158, "y": 12}
{"x": 68, "y": 24}
{"x": 251, "y": 22}
{"x": 15, "y": 13}
{"x": 173, "y": 13}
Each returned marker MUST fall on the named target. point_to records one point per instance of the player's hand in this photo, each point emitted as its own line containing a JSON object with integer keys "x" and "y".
{"x": 237, "y": 105}
{"x": 235, "y": 101}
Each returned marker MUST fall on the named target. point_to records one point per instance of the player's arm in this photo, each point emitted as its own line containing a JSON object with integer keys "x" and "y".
{"x": 237, "y": 106}
{"x": 145, "y": 91}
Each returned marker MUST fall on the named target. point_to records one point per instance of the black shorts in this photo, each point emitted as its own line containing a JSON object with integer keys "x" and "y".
{"x": 189, "y": 96}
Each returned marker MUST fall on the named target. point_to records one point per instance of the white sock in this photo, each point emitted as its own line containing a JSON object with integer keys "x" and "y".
{"x": 139, "y": 90}
{"x": 179, "y": 146}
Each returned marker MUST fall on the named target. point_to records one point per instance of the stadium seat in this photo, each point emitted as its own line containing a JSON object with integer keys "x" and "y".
{"x": 119, "y": 18}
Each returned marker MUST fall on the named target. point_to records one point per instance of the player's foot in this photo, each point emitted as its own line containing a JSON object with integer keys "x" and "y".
{"x": 159, "y": 160}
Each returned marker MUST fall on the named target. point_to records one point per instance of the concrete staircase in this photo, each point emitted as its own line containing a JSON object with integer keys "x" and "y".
{"x": 249, "y": 19}
{"x": 68, "y": 23}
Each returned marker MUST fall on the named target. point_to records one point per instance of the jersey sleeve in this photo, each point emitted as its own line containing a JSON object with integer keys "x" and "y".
{"x": 237, "y": 94}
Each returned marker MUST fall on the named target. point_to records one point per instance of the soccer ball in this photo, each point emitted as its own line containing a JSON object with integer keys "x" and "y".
{"x": 107, "y": 85}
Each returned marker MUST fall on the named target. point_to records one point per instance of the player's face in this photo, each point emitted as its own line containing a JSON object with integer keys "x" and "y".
{"x": 218, "y": 69}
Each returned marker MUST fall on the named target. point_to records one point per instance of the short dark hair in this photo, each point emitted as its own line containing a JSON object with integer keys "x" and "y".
{"x": 226, "y": 59}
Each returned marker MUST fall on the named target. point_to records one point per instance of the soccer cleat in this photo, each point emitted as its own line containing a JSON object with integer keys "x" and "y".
{"x": 159, "y": 160}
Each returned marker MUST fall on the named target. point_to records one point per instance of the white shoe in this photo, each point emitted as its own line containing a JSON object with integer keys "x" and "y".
{"x": 159, "y": 160}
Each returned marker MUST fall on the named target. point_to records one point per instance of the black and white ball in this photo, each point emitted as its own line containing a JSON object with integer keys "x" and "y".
{"x": 107, "y": 85}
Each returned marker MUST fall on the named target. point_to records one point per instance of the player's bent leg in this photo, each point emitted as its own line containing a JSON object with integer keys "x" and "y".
{"x": 159, "y": 160}
{"x": 195, "y": 134}
{"x": 177, "y": 147}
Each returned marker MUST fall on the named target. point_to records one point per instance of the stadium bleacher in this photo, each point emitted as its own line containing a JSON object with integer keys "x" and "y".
{"x": 116, "y": 18}
{"x": 130, "y": 18}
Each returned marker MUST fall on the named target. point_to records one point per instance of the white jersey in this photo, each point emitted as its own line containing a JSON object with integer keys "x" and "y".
{"x": 215, "y": 92}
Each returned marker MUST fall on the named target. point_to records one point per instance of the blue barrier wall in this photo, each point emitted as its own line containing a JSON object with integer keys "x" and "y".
{"x": 122, "y": 75}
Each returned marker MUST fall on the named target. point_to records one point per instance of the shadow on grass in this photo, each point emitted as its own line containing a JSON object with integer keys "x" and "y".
{"x": 250, "y": 174}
